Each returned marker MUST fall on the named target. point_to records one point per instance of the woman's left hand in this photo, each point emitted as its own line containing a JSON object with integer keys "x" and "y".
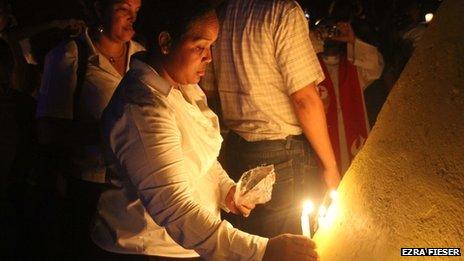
{"x": 243, "y": 209}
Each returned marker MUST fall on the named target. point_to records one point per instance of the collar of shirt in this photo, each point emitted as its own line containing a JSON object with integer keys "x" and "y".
{"x": 146, "y": 74}
{"x": 97, "y": 59}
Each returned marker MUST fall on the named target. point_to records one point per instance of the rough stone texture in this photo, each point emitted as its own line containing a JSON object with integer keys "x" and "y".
{"x": 406, "y": 187}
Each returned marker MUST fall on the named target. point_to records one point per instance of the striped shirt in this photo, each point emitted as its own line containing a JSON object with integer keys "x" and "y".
{"x": 263, "y": 54}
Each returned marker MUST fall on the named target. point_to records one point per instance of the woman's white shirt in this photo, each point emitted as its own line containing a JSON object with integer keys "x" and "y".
{"x": 56, "y": 96}
{"x": 60, "y": 75}
{"x": 163, "y": 145}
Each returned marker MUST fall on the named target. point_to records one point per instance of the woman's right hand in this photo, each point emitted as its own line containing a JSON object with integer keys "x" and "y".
{"x": 290, "y": 247}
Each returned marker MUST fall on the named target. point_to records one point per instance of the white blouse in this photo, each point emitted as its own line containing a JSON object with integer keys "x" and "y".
{"x": 163, "y": 145}
{"x": 56, "y": 96}
{"x": 60, "y": 75}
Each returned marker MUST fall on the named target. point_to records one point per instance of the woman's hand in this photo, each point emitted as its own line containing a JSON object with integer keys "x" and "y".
{"x": 245, "y": 210}
{"x": 290, "y": 247}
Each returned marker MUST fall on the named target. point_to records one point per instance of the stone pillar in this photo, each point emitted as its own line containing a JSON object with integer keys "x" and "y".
{"x": 406, "y": 186}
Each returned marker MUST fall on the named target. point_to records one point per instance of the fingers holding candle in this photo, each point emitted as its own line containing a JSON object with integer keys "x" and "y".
{"x": 290, "y": 247}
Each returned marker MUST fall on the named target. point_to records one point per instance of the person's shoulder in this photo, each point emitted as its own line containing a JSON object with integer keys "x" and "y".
{"x": 282, "y": 8}
{"x": 137, "y": 92}
{"x": 276, "y": 4}
{"x": 286, "y": 4}
{"x": 66, "y": 50}
{"x": 137, "y": 46}
{"x": 136, "y": 101}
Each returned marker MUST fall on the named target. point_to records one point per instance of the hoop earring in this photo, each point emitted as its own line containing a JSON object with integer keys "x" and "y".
{"x": 100, "y": 29}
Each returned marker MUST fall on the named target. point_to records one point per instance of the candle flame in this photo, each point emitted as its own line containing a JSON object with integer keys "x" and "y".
{"x": 308, "y": 207}
{"x": 428, "y": 17}
{"x": 334, "y": 195}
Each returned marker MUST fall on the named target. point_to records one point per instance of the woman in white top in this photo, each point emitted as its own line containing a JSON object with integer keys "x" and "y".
{"x": 162, "y": 143}
{"x": 79, "y": 79}
{"x": 109, "y": 47}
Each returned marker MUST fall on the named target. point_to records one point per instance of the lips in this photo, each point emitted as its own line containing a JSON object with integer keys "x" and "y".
{"x": 128, "y": 28}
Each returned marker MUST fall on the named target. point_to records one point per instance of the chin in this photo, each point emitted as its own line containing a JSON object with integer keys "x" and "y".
{"x": 196, "y": 80}
{"x": 126, "y": 37}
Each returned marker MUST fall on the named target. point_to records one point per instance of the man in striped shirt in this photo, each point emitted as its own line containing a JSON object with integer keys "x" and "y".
{"x": 266, "y": 71}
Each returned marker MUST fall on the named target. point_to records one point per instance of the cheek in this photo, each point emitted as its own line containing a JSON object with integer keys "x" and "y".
{"x": 118, "y": 28}
{"x": 188, "y": 62}
{"x": 185, "y": 68}
{"x": 192, "y": 66}
{"x": 118, "y": 22}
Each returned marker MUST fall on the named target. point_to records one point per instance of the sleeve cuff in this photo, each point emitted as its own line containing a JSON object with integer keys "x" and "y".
{"x": 316, "y": 82}
{"x": 225, "y": 187}
{"x": 248, "y": 246}
{"x": 261, "y": 246}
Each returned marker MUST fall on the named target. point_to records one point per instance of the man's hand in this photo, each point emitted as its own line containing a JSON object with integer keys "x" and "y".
{"x": 245, "y": 210}
{"x": 290, "y": 247}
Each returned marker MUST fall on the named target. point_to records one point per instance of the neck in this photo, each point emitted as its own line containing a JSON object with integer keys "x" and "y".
{"x": 158, "y": 65}
{"x": 109, "y": 45}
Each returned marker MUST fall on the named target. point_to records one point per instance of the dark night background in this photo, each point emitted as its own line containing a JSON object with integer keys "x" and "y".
{"x": 31, "y": 11}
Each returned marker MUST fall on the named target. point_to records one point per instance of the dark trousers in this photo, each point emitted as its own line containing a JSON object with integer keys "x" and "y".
{"x": 80, "y": 206}
{"x": 297, "y": 178}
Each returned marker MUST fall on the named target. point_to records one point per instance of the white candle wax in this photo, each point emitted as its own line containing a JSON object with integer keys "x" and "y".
{"x": 308, "y": 208}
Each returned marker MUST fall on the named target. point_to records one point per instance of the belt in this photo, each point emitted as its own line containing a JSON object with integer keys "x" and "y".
{"x": 287, "y": 139}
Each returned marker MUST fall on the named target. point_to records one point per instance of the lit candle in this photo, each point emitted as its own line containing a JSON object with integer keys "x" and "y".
{"x": 308, "y": 208}
{"x": 328, "y": 211}
{"x": 428, "y": 17}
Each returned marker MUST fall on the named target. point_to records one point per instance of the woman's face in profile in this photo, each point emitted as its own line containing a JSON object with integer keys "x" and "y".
{"x": 187, "y": 60}
{"x": 123, "y": 14}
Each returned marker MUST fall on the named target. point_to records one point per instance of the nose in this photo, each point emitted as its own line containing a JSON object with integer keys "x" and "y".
{"x": 132, "y": 15}
{"x": 208, "y": 56}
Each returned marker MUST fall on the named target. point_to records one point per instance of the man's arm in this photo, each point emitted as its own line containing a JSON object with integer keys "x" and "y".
{"x": 310, "y": 112}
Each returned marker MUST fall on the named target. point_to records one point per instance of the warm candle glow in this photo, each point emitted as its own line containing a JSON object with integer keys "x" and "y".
{"x": 334, "y": 195}
{"x": 428, "y": 17}
{"x": 328, "y": 213}
{"x": 308, "y": 208}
